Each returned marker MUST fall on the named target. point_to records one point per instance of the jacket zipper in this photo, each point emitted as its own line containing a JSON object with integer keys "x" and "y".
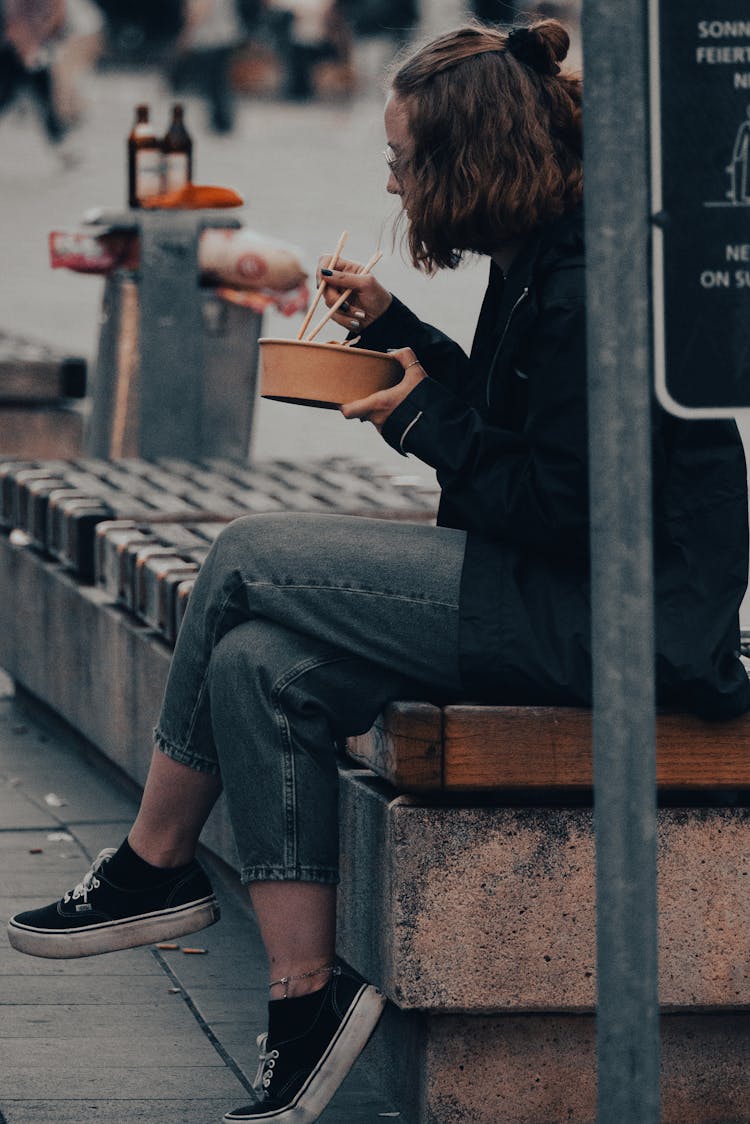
{"x": 521, "y": 298}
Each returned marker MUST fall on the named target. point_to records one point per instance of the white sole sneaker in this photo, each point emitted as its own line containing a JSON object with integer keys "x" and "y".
{"x": 341, "y": 1053}
{"x": 113, "y": 936}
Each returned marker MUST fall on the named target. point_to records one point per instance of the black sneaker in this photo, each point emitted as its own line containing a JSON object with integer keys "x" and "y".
{"x": 300, "y": 1071}
{"x": 98, "y": 916}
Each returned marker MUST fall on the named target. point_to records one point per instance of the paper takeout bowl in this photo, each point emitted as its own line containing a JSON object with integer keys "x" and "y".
{"x": 323, "y": 374}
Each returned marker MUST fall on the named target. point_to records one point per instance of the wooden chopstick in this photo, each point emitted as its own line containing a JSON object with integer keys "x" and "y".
{"x": 322, "y": 285}
{"x": 344, "y": 296}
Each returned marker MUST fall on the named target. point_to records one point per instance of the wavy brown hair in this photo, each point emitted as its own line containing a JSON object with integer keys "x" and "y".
{"x": 496, "y": 129}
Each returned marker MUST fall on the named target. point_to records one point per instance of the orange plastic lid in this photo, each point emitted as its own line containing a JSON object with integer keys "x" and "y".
{"x": 195, "y": 197}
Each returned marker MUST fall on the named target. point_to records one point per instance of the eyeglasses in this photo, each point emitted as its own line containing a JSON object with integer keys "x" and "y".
{"x": 391, "y": 160}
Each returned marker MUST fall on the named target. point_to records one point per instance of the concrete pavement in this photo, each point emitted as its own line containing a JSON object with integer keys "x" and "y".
{"x": 143, "y": 1035}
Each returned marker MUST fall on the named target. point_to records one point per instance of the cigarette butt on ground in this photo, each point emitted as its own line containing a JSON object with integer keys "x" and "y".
{"x": 195, "y": 951}
{"x": 174, "y": 990}
{"x": 167, "y": 946}
{"x": 36, "y": 850}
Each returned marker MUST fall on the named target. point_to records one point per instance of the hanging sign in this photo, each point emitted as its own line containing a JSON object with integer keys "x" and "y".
{"x": 700, "y": 180}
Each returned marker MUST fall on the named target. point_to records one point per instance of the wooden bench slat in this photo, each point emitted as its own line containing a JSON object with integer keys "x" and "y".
{"x": 516, "y": 747}
{"x": 473, "y": 748}
{"x": 406, "y": 744}
{"x": 694, "y": 753}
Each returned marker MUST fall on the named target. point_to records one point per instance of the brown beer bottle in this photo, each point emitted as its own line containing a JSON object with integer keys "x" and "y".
{"x": 177, "y": 152}
{"x": 144, "y": 159}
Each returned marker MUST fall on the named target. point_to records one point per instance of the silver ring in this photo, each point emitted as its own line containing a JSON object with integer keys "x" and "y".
{"x": 414, "y": 363}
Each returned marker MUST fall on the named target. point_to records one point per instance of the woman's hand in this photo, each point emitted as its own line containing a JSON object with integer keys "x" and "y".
{"x": 368, "y": 301}
{"x": 378, "y": 407}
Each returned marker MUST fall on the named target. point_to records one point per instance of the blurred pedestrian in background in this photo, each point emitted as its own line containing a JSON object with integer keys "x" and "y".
{"x": 392, "y": 20}
{"x": 28, "y": 29}
{"x": 141, "y": 31}
{"x": 75, "y": 54}
{"x": 494, "y": 11}
{"x": 308, "y": 32}
{"x": 46, "y": 47}
{"x": 211, "y": 32}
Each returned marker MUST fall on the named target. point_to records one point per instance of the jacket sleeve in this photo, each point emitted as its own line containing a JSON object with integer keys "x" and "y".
{"x": 527, "y": 488}
{"x": 438, "y": 354}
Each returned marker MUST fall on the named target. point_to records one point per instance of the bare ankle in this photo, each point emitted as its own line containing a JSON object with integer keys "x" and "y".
{"x": 295, "y": 984}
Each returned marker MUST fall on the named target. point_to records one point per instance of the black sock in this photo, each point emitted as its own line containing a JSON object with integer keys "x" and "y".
{"x": 294, "y": 1015}
{"x": 129, "y": 871}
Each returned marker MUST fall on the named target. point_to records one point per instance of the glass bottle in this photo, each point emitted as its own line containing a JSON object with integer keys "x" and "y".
{"x": 177, "y": 152}
{"x": 144, "y": 159}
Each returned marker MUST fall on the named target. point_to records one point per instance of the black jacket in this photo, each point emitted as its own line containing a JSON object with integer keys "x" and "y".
{"x": 505, "y": 430}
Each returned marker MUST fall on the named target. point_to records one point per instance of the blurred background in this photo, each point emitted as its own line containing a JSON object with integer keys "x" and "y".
{"x": 283, "y": 100}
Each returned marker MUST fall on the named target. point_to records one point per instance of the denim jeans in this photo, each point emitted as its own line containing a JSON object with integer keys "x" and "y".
{"x": 299, "y": 629}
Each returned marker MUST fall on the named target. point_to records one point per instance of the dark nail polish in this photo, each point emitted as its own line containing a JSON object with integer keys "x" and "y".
{"x": 326, "y": 273}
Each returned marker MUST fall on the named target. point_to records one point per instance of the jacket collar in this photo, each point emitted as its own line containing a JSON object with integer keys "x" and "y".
{"x": 545, "y": 246}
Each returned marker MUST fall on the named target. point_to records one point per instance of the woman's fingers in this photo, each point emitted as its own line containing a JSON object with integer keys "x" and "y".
{"x": 364, "y": 408}
{"x": 367, "y": 295}
{"x": 367, "y": 300}
{"x": 378, "y": 407}
{"x": 407, "y": 358}
{"x": 349, "y": 279}
{"x": 324, "y": 262}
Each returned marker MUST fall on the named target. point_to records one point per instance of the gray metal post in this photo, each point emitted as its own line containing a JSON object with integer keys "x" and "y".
{"x": 176, "y": 365}
{"x": 617, "y": 208}
{"x": 171, "y": 331}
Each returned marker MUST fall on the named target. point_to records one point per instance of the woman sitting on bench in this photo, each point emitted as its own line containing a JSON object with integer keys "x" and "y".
{"x": 302, "y": 627}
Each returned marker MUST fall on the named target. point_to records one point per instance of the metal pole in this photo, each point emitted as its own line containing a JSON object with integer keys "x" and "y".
{"x": 617, "y": 194}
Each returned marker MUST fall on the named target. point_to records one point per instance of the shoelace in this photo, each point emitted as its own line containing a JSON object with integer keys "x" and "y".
{"x": 90, "y": 881}
{"x": 266, "y": 1063}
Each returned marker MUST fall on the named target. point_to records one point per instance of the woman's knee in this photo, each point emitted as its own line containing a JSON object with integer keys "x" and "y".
{"x": 250, "y": 653}
{"x": 261, "y": 655}
{"x": 254, "y": 541}
{"x": 262, "y": 660}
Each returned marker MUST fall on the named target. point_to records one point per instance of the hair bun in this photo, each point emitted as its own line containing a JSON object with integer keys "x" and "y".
{"x": 542, "y": 45}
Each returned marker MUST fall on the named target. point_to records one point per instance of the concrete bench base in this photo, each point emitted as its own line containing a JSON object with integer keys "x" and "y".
{"x": 541, "y": 1069}
{"x": 95, "y": 666}
{"x": 491, "y": 909}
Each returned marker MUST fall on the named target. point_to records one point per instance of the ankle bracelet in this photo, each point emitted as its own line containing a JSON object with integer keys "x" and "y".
{"x": 286, "y": 980}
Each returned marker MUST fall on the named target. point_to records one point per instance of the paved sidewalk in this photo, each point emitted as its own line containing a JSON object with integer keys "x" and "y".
{"x": 144, "y": 1035}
